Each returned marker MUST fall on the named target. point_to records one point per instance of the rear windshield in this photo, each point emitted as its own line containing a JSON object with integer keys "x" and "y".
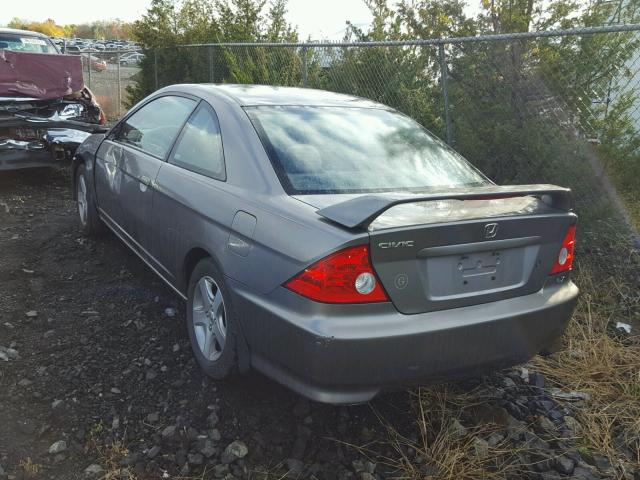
{"x": 347, "y": 149}
{"x": 26, "y": 43}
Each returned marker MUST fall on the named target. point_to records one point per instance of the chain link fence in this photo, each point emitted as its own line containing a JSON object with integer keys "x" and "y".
{"x": 525, "y": 108}
{"x": 108, "y": 73}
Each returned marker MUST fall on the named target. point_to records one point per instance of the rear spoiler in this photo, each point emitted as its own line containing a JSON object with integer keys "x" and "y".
{"x": 359, "y": 212}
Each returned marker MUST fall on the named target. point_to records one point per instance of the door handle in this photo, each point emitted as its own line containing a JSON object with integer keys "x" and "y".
{"x": 145, "y": 180}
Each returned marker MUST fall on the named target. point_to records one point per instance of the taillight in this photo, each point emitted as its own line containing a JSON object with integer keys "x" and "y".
{"x": 343, "y": 277}
{"x": 564, "y": 261}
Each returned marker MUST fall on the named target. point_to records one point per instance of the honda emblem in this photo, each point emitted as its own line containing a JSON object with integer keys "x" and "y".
{"x": 490, "y": 230}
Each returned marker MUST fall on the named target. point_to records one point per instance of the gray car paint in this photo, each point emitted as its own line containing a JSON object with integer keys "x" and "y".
{"x": 260, "y": 237}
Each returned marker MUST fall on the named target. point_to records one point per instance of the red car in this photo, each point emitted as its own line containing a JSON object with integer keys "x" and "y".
{"x": 46, "y": 111}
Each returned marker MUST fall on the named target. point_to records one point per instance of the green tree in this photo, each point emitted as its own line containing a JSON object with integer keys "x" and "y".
{"x": 168, "y": 24}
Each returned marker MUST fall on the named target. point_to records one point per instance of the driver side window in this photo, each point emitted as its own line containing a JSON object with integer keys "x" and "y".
{"x": 155, "y": 126}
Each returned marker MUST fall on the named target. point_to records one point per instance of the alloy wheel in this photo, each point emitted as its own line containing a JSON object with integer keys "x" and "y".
{"x": 209, "y": 318}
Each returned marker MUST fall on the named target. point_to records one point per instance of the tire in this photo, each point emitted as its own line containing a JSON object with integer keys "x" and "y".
{"x": 90, "y": 223}
{"x": 211, "y": 321}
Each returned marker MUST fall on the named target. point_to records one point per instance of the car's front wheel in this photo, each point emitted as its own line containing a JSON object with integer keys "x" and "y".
{"x": 210, "y": 321}
{"x": 90, "y": 223}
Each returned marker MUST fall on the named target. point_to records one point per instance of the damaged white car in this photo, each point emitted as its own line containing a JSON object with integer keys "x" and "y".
{"x": 46, "y": 111}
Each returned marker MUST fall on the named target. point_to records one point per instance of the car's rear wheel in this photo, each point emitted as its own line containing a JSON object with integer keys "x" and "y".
{"x": 90, "y": 223}
{"x": 210, "y": 321}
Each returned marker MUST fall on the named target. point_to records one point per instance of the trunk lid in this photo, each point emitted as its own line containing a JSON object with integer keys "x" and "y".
{"x": 456, "y": 249}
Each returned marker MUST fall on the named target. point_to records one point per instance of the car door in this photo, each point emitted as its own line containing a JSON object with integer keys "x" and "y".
{"x": 129, "y": 161}
{"x": 188, "y": 197}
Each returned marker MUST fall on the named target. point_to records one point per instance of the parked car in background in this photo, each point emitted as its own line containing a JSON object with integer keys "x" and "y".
{"x": 97, "y": 64}
{"x": 124, "y": 55}
{"x": 132, "y": 59}
{"x": 329, "y": 241}
{"x": 45, "y": 109}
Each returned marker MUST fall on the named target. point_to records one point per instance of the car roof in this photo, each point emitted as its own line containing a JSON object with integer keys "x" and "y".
{"x": 22, "y": 32}
{"x": 257, "y": 95}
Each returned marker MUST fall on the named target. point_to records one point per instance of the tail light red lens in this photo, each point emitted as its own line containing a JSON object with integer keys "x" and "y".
{"x": 343, "y": 277}
{"x": 564, "y": 261}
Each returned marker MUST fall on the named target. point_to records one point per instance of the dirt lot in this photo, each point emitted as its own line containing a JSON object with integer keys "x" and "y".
{"x": 100, "y": 361}
{"x": 97, "y": 381}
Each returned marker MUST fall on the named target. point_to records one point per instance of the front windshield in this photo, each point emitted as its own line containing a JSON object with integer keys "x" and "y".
{"x": 25, "y": 43}
{"x": 347, "y": 149}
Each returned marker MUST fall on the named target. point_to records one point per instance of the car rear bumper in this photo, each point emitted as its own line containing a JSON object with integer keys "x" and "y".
{"x": 349, "y": 353}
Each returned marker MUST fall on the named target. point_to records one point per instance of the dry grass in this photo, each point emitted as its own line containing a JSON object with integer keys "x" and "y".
{"x": 30, "y": 468}
{"x": 605, "y": 368}
{"x": 110, "y": 456}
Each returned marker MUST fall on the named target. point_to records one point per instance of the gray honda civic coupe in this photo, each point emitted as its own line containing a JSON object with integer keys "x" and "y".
{"x": 328, "y": 241}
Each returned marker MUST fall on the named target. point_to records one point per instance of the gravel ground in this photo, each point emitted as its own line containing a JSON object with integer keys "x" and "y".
{"x": 100, "y": 361}
{"x": 97, "y": 381}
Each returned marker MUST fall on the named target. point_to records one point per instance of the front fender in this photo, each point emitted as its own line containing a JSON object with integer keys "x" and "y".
{"x": 85, "y": 155}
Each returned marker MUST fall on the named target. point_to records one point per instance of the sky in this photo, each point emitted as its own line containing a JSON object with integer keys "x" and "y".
{"x": 323, "y": 19}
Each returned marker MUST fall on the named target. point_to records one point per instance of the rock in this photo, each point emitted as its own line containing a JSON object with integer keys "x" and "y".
{"x": 3, "y": 356}
{"x": 170, "y": 312}
{"x": 480, "y": 447}
{"x": 457, "y": 428}
{"x": 545, "y": 424}
{"x": 153, "y": 417}
{"x": 212, "y": 420}
{"x": 219, "y": 471}
{"x": 49, "y": 333}
{"x": 93, "y": 470}
{"x": 115, "y": 391}
{"x": 11, "y": 353}
{"x": 508, "y": 382}
{"x": 207, "y": 449}
{"x": 176, "y": 348}
{"x": 195, "y": 458}
{"x": 575, "y": 428}
{"x": 25, "y": 382}
{"x": 366, "y": 476}
{"x": 601, "y": 462}
{"x": 58, "y": 447}
{"x": 580, "y": 473}
{"x": 31, "y": 314}
{"x": 214, "y": 434}
{"x": 536, "y": 379}
{"x": 564, "y": 465}
{"x": 295, "y": 466}
{"x": 56, "y": 403}
{"x": 234, "y": 451}
{"x": 495, "y": 439}
{"x": 571, "y": 396}
{"x": 168, "y": 432}
{"x": 541, "y": 461}
{"x": 550, "y": 475}
{"x": 154, "y": 451}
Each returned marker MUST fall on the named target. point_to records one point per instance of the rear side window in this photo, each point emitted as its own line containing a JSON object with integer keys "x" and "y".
{"x": 155, "y": 126}
{"x": 199, "y": 147}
